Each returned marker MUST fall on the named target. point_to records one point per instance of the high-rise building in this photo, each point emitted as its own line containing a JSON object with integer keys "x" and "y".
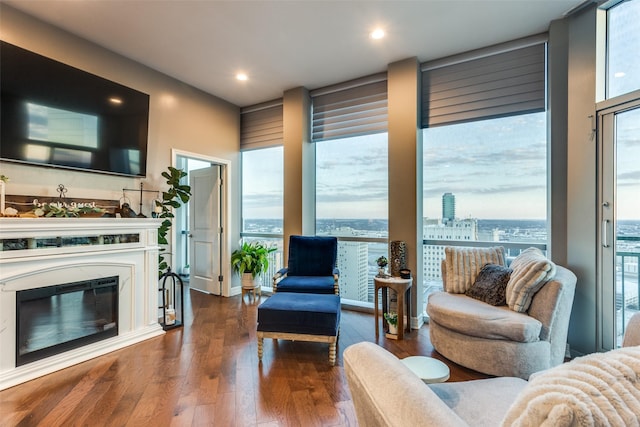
{"x": 353, "y": 265}
{"x": 448, "y": 207}
{"x": 460, "y": 229}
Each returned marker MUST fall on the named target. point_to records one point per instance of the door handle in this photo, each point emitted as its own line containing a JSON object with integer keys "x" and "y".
{"x": 605, "y": 233}
{"x": 190, "y": 235}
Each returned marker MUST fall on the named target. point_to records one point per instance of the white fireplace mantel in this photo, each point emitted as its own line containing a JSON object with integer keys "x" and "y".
{"x": 39, "y": 252}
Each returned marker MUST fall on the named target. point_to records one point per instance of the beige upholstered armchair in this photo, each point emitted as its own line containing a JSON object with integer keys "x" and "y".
{"x": 599, "y": 389}
{"x": 526, "y": 335}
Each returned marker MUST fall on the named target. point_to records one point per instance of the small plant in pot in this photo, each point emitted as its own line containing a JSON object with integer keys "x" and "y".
{"x": 250, "y": 261}
{"x": 382, "y": 263}
{"x": 392, "y": 320}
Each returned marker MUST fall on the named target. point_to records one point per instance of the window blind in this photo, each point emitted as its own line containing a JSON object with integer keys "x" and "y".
{"x": 350, "y": 109}
{"x": 261, "y": 126}
{"x": 496, "y": 85}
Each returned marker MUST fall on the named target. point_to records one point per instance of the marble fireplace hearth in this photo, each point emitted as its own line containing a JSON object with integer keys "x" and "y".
{"x": 37, "y": 253}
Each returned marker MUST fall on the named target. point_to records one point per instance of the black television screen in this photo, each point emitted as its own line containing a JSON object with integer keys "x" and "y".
{"x": 56, "y": 115}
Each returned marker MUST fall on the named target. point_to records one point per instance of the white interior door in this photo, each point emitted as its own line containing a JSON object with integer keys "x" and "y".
{"x": 205, "y": 229}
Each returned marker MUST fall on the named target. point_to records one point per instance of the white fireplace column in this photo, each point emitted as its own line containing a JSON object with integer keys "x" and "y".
{"x": 132, "y": 256}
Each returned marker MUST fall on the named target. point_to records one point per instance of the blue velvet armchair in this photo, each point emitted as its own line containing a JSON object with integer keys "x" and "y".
{"x": 311, "y": 267}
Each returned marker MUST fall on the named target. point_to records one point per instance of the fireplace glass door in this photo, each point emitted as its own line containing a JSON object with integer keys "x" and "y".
{"x": 58, "y": 318}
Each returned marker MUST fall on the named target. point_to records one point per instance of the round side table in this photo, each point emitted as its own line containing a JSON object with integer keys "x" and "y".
{"x": 429, "y": 370}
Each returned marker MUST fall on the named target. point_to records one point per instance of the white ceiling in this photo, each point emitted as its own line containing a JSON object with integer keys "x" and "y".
{"x": 286, "y": 44}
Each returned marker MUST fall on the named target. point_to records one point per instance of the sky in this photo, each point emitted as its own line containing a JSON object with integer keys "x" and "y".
{"x": 495, "y": 168}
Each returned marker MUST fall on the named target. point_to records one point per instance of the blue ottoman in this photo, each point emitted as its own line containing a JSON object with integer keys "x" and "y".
{"x": 300, "y": 317}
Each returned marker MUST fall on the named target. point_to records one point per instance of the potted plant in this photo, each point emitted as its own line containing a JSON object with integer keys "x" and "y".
{"x": 186, "y": 270}
{"x": 250, "y": 261}
{"x": 175, "y": 197}
{"x": 382, "y": 263}
{"x": 392, "y": 321}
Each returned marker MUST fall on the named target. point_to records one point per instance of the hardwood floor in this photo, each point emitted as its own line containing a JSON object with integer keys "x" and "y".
{"x": 207, "y": 373}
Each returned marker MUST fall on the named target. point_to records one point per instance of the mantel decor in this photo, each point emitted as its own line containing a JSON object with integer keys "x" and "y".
{"x": 3, "y": 181}
{"x": 20, "y": 206}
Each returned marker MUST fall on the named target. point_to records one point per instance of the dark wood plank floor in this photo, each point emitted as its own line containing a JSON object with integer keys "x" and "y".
{"x": 207, "y": 373}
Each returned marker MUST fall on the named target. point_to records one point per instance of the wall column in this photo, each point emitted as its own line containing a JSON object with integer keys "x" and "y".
{"x": 582, "y": 179}
{"x": 299, "y": 165}
{"x": 405, "y": 169}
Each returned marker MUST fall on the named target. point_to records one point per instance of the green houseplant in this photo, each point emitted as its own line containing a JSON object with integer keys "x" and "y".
{"x": 249, "y": 261}
{"x": 175, "y": 197}
{"x": 392, "y": 320}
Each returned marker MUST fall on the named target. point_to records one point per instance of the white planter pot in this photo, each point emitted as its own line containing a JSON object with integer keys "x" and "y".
{"x": 393, "y": 329}
{"x": 248, "y": 282}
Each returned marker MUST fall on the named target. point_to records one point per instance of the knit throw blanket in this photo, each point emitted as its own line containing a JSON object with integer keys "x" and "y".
{"x": 601, "y": 389}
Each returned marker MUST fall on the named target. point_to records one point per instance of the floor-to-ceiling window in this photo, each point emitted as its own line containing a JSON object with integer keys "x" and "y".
{"x": 262, "y": 180}
{"x": 349, "y": 133}
{"x": 262, "y": 201}
{"x": 352, "y": 204}
{"x": 484, "y": 154}
{"x": 619, "y": 172}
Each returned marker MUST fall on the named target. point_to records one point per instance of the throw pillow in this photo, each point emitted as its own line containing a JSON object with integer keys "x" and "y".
{"x": 531, "y": 270}
{"x": 491, "y": 285}
{"x": 462, "y": 265}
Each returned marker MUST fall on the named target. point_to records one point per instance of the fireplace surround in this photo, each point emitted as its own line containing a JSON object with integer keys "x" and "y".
{"x": 88, "y": 252}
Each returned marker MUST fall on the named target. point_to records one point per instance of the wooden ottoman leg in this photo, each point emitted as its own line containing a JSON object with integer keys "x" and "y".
{"x": 332, "y": 352}
{"x": 260, "y": 342}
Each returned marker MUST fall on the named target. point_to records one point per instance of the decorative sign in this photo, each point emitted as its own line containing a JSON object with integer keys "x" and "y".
{"x": 25, "y": 204}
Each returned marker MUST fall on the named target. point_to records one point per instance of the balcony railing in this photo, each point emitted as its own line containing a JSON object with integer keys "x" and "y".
{"x": 356, "y": 261}
{"x": 627, "y": 282}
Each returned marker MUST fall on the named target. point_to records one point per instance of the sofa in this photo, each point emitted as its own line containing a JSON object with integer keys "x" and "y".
{"x": 602, "y": 389}
{"x": 526, "y": 335}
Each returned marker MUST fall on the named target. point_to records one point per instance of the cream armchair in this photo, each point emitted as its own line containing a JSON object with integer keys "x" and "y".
{"x": 497, "y": 340}
{"x": 386, "y": 393}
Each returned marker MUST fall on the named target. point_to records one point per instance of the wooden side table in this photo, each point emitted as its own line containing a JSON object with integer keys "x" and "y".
{"x": 403, "y": 290}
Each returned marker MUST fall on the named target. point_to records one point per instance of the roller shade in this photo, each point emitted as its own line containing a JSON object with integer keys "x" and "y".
{"x": 498, "y": 85}
{"x": 261, "y": 126}
{"x": 360, "y": 109}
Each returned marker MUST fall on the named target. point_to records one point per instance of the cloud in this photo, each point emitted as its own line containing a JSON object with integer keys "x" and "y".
{"x": 262, "y": 200}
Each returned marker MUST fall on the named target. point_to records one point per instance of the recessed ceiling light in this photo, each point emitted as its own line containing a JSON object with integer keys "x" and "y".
{"x": 242, "y": 77}
{"x": 377, "y": 34}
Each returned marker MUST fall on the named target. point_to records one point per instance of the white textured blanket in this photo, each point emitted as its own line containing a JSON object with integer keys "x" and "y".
{"x": 601, "y": 389}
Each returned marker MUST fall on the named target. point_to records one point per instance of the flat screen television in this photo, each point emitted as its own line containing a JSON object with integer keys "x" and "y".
{"x": 56, "y": 115}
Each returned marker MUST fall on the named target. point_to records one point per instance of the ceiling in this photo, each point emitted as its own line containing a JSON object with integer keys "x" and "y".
{"x": 286, "y": 44}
